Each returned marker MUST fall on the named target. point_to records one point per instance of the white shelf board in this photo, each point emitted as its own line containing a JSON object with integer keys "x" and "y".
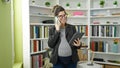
{"x": 39, "y": 39}
{"x": 37, "y": 6}
{"x": 41, "y": 15}
{"x": 110, "y": 53}
{"x": 107, "y": 63}
{"x": 111, "y": 16}
{"x": 105, "y": 24}
{"x": 85, "y": 37}
{"x": 106, "y": 8}
{"x": 41, "y": 24}
{"x": 38, "y": 52}
{"x": 35, "y": 15}
{"x": 104, "y": 37}
{"x": 74, "y": 9}
{"x": 81, "y": 24}
{"x": 77, "y": 17}
{"x": 47, "y": 38}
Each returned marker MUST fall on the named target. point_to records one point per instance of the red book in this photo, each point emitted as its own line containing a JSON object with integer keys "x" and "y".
{"x": 87, "y": 30}
{"x": 40, "y": 61}
{"x": 35, "y": 46}
{"x": 93, "y": 46}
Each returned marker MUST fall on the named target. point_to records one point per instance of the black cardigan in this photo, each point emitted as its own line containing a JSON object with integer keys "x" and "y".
{"x": 54, "y": 41}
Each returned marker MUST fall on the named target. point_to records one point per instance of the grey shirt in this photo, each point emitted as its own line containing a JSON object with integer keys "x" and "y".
{"x": 64, "y": 49}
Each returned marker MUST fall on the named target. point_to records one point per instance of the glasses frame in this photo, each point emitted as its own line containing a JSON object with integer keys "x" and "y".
{"x": 61, "y": 16}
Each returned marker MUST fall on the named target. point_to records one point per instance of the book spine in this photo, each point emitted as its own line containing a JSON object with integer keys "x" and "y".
{"x": 106, "y": 47}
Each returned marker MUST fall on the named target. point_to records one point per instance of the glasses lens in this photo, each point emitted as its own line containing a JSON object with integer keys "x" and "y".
{"x": 61, "y": 16}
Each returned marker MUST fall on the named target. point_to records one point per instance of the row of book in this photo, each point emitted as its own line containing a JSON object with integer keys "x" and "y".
{"x": 103, "y": 46}
{"x": 104, "y": 30}
{"x": 99, "y": 46}
{"x": 35, "y": 31}
{"x": 36, "y": 46}
{"x": 37, "y": 61}
{"x": 39, "y": 32}
{"x": 82, "y": 28}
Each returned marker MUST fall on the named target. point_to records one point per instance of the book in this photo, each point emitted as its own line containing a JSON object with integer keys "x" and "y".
{"x": 75, "y": 36}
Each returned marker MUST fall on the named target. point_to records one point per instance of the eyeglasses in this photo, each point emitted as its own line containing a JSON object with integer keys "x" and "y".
{"x": 61, "y": 16}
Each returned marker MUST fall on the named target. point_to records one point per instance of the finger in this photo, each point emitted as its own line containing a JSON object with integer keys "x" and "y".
{"x": 78, "y": 39}
{"x": 76, "y": 44}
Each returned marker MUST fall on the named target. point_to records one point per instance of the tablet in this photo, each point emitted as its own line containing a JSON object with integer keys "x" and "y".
{"x": 75, "y": 36}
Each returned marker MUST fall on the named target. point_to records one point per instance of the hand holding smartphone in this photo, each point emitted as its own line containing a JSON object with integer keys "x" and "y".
{"x": 57, "y": 24}
{"x": 57, "y": 21}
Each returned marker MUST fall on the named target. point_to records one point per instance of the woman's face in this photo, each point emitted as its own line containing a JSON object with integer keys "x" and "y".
{"x": 62, "y": 16}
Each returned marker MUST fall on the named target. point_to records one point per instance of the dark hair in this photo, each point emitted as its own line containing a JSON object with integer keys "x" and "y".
{"x": 57, "y": 9}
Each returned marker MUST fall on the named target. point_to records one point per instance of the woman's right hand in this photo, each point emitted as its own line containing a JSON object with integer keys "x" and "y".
{"x": 57, "y": 26}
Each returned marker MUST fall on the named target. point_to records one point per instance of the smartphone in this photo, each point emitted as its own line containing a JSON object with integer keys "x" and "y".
{"x": 56, "y": 20}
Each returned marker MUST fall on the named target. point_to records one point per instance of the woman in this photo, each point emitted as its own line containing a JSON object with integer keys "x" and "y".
{"x": 64, "y": 55}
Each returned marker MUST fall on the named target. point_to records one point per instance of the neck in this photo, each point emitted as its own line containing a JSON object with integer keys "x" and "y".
{"x": 62, "y": 25}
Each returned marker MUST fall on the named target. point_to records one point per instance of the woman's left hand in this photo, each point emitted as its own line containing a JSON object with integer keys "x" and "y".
{"x": 77, "y": 42}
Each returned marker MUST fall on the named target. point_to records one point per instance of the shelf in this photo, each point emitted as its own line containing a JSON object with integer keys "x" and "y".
{"x": 111, "y": 16}
{"x": 41, "y": 24}
{"x": 77, "y": 17}
{"x": 106, "y": 8}
{"x": 38, "y": 52}
{"x": 37, "y": 6}
{"x": 110, "y": 53}
{"x": 39, "y": 39}
{"x": 107, "y": 63}
{"x": 33, "y": 15}
{"x": 85, "y": 24}
{"x": 85, "y": 37}
{"x": 105, "y": 24}
{"x": 103, "y": 37}
{"x": 75, "y": 9}
{"x": 47, "y": 38}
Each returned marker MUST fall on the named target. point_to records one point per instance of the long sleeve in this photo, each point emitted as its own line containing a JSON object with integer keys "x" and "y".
{"x": 53, "y": 37}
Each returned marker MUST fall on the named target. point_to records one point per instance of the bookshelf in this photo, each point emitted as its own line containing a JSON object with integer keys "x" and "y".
{"x": 38, "y": 13}
{"x": 104, "y": 28}
{"x": 92, "y": 16}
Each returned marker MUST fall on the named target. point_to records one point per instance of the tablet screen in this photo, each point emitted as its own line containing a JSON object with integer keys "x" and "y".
{"x": 75, "y": 36}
